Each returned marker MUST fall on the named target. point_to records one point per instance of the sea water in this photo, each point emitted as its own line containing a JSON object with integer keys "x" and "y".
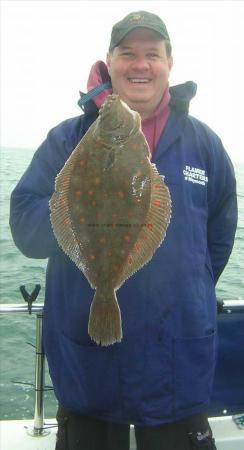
{"x": 17, "y": 331}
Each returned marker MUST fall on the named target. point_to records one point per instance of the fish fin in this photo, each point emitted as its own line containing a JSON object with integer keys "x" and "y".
{"x": 153, "y": 233}
{"x": 104, "y": 325}
{"x": 60, "y": 213}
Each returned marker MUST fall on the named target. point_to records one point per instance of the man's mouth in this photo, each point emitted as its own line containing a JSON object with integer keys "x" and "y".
{"x": 139, "y": 80}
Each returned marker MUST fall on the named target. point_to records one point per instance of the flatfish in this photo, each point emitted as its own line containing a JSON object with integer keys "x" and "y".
{"x": 110, "y": 210}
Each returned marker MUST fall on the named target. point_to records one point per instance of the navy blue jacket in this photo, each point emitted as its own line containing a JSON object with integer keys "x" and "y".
{"x": 163, "y": 368}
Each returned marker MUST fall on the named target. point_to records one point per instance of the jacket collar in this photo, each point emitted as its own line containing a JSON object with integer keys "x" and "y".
{"x": 172, "y": 132}
{"x": 99, "y": 86}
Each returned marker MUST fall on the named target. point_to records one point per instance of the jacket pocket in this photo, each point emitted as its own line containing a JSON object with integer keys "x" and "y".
{"x": 194, "y": 365}
{"x": 89, "y": 378}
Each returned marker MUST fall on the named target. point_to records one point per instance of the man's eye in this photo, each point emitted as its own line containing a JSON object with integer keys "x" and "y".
{"x": 129, "y": 54}
{"x": 153, "y": 55}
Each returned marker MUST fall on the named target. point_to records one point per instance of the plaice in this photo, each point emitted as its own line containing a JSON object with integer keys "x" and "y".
{"x": 110, "y": 210}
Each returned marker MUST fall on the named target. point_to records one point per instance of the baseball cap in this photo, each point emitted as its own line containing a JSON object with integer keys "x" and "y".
{"x": 139, "y": 19}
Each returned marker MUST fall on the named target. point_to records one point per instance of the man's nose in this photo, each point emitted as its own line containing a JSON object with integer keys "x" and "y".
{"x": 140, "y": 63}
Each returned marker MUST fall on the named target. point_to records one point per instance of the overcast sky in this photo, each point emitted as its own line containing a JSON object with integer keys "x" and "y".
{"x": 48, "y": 47}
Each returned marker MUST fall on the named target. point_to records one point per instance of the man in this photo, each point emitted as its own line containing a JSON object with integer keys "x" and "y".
{"x": 159, "y": 377}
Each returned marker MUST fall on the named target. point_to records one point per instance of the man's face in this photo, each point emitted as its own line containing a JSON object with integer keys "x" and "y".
{"x": 139, "y": 69}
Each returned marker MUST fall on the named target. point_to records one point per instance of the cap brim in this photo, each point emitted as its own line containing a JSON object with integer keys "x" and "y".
{"x": 152, "y": 28}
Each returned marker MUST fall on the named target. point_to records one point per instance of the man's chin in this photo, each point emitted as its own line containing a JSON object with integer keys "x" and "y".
{"x": 137, "y": 99}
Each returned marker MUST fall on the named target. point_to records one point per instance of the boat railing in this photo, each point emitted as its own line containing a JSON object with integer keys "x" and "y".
{"x": 225, "y": 307}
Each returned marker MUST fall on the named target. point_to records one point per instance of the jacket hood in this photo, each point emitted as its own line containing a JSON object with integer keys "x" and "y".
{"x": 181, "y": 96}
{"x": 99, "y": 86}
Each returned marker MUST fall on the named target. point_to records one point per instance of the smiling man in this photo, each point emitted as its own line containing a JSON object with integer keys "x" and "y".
{"x": 159, "y": 378}
{"x": 139, "y": 67}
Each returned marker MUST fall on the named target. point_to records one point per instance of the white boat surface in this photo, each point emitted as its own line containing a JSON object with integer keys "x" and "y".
{"x": 14, "y": 435}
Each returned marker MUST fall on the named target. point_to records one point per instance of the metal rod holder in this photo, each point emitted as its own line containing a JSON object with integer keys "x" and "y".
{"x": 38, "y": 429}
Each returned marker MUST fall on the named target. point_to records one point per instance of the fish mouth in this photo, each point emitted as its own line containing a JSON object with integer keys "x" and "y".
{"x": 116, "y": 115}
{"x": 136, "y": 80}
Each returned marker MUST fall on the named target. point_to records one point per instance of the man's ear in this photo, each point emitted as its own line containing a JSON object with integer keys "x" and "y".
{"x": 108, "y": 62}
{"x": 170, "y": 62}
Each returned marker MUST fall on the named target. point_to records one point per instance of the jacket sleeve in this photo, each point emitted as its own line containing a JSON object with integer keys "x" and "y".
{"x": 222, "y": 221}
{"x": 29, "y": 205}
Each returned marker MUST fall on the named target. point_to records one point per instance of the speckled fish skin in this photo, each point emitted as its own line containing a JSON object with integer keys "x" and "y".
{"x": 110, "y": 210}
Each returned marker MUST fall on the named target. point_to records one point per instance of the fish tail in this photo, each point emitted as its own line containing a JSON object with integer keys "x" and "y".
{"x": 105, "y": 320}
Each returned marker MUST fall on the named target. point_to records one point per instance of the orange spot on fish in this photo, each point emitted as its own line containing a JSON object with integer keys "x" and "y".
{"x": 92, "y": 257}
{"x": 142, "y": 161}
{"x": 135, "y": 146}
{"x": 102, "y": 240}
{"x": 67, "y": 222}
{"x": 97, "y": 180}
{"x": 81, "y": 220}
{"x": 82, "y": 162}
{"x": 137, "y": 200}
{"x": 120, "y": 194}
{"x": 149, "y": 226}
{"x": 126, "y": 237}
{"x": 90, "y": 193}
{"x": 138, "y": 173}
{"x": 109, "y": 253}
{"x": 94, "y": 203}
{"x": 114, "y": 225}
{"x": 78, "y": 194}
{"x": 157, "y": 203}
{"x": 157, "y": 186}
